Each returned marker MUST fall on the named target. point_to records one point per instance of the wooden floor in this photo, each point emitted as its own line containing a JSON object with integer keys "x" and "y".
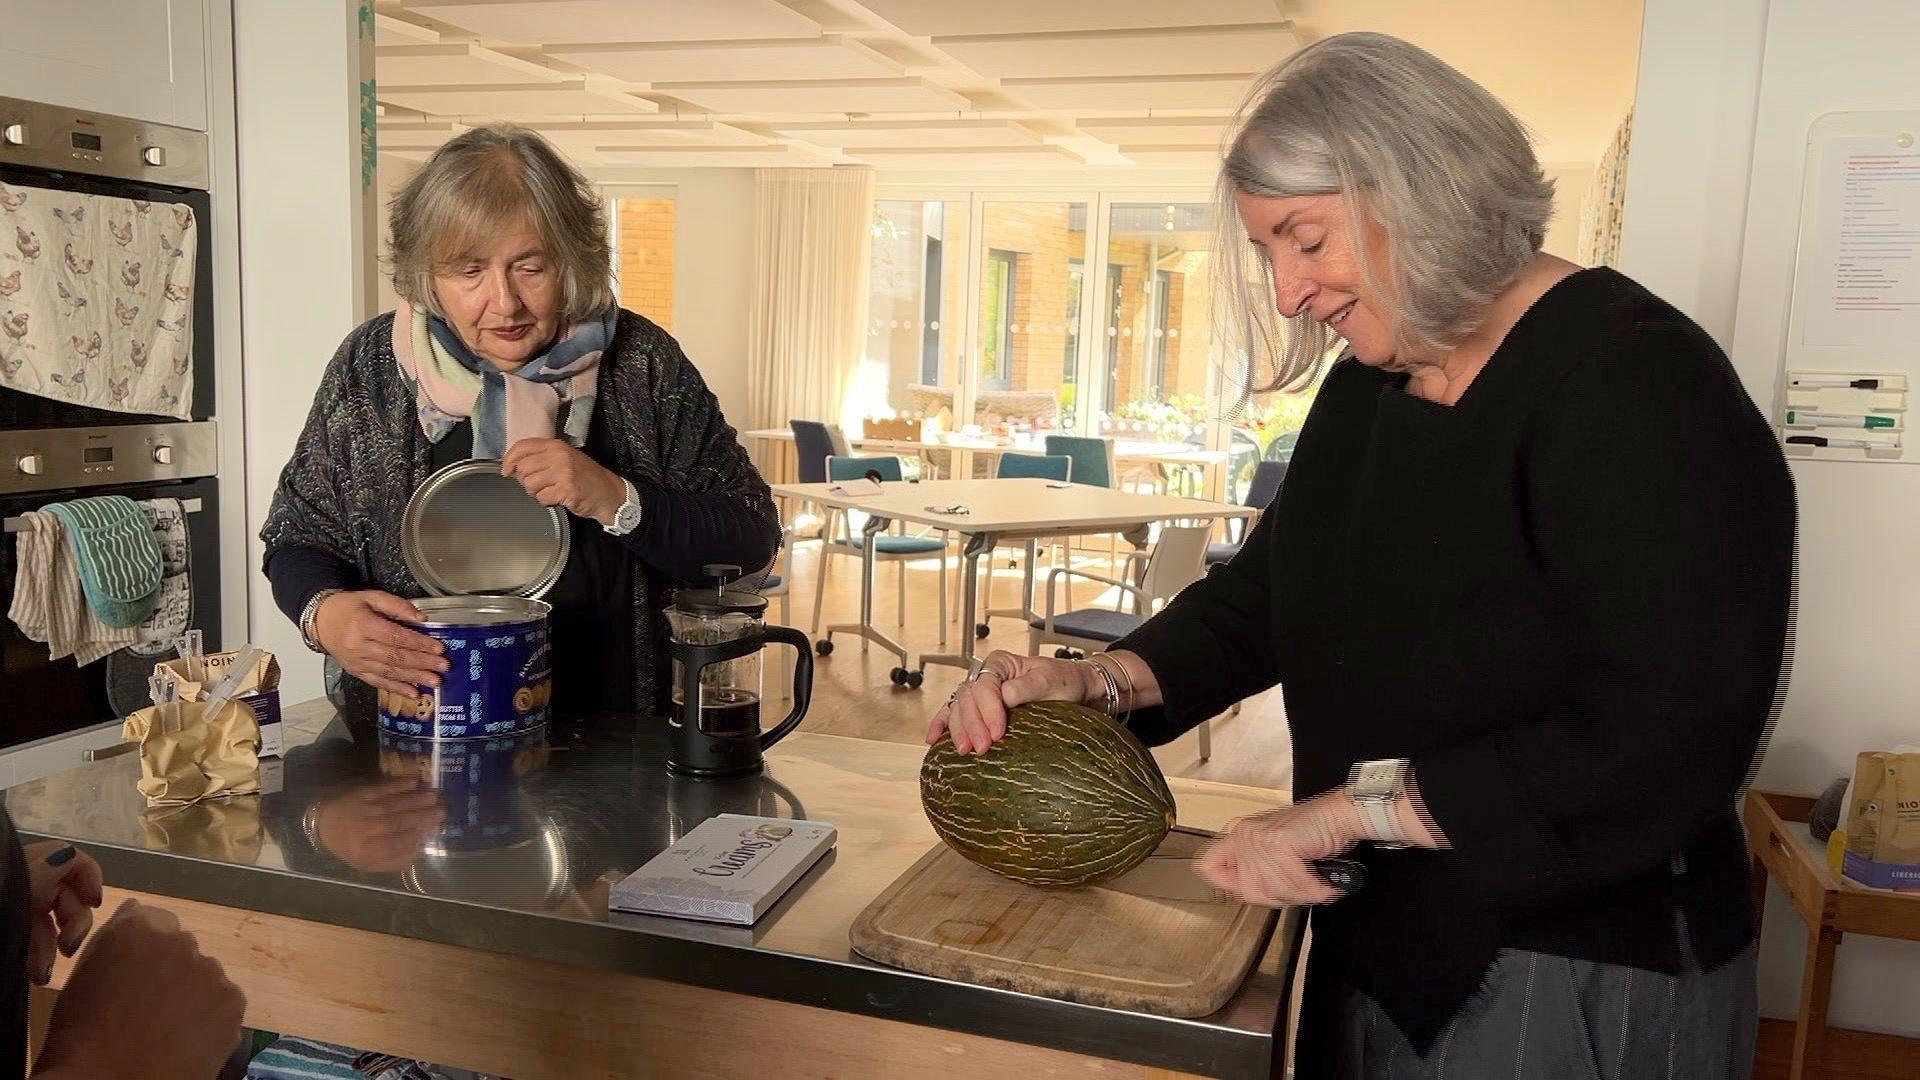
{"x": 853, "y": 696}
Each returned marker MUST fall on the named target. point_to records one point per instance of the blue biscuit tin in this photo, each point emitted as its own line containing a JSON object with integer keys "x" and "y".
{"x": 500, "y": 681}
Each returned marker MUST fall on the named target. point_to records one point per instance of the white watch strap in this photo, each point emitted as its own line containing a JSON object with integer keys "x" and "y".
{"x": 633, "y": 500}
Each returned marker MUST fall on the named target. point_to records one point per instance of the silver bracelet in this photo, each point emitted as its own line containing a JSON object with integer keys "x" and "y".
{"x": 1118, "y": 672}
{"x": 1112, "y": 688}
{"x": 310, "y": 614}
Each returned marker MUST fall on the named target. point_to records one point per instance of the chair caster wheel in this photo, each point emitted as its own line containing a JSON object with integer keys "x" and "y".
{"x": 982, "y": 630}
{"x": 824, "y": 647}
{"x": 898, "y": 675}
{"x": 915, "y": 678}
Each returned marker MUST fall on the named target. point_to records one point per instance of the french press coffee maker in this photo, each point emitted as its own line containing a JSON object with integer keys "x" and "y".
{"x": 717, "y": 637}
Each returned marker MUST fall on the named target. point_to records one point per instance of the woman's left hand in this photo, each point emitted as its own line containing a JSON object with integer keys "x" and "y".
{"x": 65, "y": 890}
{"x": 559, "y": 474}
{"x": 1267, "y": 859}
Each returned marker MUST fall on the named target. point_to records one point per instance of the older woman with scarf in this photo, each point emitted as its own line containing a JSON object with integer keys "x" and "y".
{"x": 509, "y": 344}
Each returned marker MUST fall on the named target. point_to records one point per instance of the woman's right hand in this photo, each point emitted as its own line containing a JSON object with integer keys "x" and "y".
{"x": 143, "y": 1001}
{"x": 364, "y": 632}
{"x": 977, "y": 712}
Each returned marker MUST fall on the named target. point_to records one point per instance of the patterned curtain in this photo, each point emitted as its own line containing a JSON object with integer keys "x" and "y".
{"x": 1606, "y": 202}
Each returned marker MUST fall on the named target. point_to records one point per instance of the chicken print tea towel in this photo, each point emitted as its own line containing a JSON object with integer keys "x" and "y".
{"x": 96, "y": 300}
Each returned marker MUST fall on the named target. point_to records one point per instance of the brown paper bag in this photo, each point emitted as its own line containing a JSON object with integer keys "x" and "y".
{"x": 1883, "y": 822}
{"x": 206, "y": 757}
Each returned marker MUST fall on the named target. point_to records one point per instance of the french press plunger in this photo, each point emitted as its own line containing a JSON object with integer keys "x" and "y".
{"x": 717, "y": 637}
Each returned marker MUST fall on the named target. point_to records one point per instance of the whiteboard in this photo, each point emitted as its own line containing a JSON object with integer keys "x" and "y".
{"x": 1855, "y": 310}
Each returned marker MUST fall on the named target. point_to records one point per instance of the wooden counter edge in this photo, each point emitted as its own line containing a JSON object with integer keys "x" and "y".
{"x": 535, "y": 1019}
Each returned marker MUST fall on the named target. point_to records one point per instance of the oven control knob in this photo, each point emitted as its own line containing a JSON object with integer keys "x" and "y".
{"x": 14, "y": 134}
{"x": 154, "y": 155}
{"x": 163, "y": 455}
{"x": 30, "y": 464}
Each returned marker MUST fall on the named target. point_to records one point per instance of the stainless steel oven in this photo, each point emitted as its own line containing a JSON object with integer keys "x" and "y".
{"x": 54, "y": 450}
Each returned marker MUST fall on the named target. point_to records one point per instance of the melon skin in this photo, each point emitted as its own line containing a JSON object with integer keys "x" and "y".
{"x": 1067, "y": 797}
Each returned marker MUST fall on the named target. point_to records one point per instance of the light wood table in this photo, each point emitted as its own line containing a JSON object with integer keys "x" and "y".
{"x": 987, "y": 512}
{"x": 492, "y": 948}
{"x": 1832, "y": 907}
{"x": 1211, "y": 464}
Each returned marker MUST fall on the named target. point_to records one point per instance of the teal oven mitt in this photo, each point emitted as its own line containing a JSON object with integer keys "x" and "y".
{"x": 118, "y": 557}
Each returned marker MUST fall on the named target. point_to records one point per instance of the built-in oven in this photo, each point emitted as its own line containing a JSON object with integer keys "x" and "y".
{"x": 71, "y": 185}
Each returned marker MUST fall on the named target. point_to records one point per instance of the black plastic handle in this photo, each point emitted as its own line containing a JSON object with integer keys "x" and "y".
{"x": 1347, "y": 875}
{"x": 802, "y": 681}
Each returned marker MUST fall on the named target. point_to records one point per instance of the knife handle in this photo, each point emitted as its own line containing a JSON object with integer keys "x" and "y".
{"x": 1347, "y": 875}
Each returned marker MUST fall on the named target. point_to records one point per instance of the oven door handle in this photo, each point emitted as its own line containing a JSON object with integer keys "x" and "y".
{"x": 109, "y": 752}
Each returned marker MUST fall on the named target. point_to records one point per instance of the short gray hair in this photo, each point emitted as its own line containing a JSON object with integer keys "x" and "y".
{"x": 483, "y": 178}
{"x": 1439, "y": 162}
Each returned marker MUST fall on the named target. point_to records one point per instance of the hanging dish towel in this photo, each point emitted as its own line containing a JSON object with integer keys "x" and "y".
{"x": 118, "y": 557}
{"x": 47, "y": 600}
{"x": 96, "y": 300}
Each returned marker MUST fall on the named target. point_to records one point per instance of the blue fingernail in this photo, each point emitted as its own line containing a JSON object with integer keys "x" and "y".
{"x": 63, "y": 856}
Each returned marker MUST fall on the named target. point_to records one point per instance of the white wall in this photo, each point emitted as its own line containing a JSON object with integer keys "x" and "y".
{"x": 1709, "y": 138}
{"x": 1692, "y": 145}
{"x": 713, "y": 271}
{"x": 1571, "y": 181}
{"x": 303, "y": 256}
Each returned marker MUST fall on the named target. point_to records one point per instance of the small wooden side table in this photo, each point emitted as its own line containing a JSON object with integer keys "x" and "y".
{"x": 1831, "y": 907}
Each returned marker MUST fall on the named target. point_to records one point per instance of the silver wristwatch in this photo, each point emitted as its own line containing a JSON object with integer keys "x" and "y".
{"x": 627, "y": 518}
{"x": 1376, "y": 786}
{"x": 310, "y": 615}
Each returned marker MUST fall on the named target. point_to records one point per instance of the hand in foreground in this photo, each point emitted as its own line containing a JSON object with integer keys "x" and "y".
{"x": 143, "y": 1002}
{"x": 66, "y": 889}
{"x": 1266, "y": 859}
{"x": 977, "y": 712}
{"x": 380, "y": 828}
{"x": 364, "y": 632}
{"x": 557, "y": 473}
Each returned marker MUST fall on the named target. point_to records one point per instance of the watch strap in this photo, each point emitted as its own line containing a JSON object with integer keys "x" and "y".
{"x": 627, "y": 518}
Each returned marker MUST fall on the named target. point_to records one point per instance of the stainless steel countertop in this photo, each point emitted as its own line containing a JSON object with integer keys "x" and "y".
{"x": 536, "y": 833}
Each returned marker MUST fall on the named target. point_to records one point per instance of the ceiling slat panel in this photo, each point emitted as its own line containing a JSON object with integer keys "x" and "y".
{"x": 911, "y": 133}
{"x": 547, "y": 22}
{"x": 695, "y": 61}
{"x": 563, "y": 100}
{"x": 439, "y": 65}
{"x": 1126, "y": 92}
{"x": 1188, "y": 51}
{"x": 931, "y": 18}
{"x": 818, "y": 96}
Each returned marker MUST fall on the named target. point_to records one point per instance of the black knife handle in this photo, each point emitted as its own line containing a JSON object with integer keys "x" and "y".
{"x": 1347, "y": 875}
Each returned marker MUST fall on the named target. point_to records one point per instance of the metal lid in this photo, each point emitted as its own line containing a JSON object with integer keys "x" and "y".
{"x": 470, "y": 530}
{"x": 481, "y": 610}
{"x": 717, "y": 599}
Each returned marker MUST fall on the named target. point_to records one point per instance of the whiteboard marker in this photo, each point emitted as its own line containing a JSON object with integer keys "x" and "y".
{"x": 1796, "y": 418}
{"x": 1845, "y": 384}
{"x": 1840, "y": 444}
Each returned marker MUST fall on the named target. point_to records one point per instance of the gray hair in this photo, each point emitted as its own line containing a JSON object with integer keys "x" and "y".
{"x": 1439, "y": 162}
{"x": 482, "y": 179}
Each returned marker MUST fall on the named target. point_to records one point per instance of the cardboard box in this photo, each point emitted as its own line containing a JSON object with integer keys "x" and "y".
{"x": 260, "y": 690}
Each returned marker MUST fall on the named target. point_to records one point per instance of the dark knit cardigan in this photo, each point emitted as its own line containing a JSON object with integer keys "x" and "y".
{"x": 362, "y": 455}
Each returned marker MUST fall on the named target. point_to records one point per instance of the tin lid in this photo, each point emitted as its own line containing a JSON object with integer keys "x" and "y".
{"x": 470, "y": 530}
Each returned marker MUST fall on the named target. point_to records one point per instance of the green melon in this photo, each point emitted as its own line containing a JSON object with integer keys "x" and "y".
{"x": 1068, "y": 797}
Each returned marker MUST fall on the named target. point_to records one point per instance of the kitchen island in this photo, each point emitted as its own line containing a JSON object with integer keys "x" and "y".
{"x": 486, "y": 942}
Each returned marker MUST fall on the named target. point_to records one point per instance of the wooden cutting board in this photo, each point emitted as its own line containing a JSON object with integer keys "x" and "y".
{"x": 1148, "y": 941}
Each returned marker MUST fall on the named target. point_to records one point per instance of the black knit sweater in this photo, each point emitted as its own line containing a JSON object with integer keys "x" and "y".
{"x": 335, "y": 520}
{"x": 1565, "y": 598}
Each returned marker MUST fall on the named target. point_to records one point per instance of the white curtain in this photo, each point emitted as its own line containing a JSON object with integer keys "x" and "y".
{"x": 812, "y": 236}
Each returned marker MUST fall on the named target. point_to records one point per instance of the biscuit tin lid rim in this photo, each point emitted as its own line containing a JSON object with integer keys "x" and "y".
{"x": 470, "y": 610}
{"x": 554, "y": 537}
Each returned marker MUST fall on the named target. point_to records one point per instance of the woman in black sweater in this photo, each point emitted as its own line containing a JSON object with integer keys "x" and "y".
{"x": 508, "y": 345}
{"x": 1527, "y": 591}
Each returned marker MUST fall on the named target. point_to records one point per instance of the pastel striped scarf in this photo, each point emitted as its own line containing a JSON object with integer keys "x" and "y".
{"x": 450, "y": 384}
